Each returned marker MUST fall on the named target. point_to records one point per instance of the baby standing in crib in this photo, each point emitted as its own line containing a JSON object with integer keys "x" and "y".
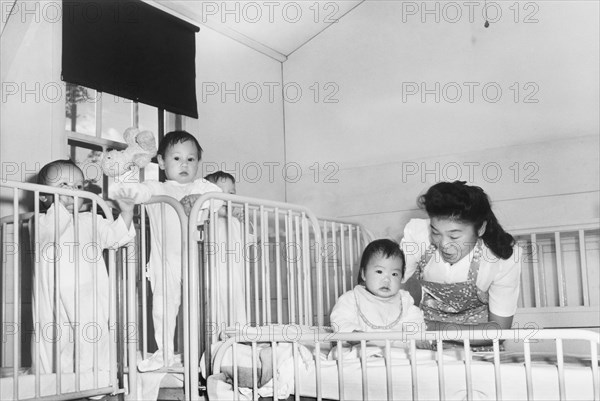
{"x": 377, "y": 303}
{"x": 179, "y": 156}
{"x": 60, "y": 322}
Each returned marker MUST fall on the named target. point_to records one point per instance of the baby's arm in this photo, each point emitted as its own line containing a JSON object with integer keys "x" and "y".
{"x": 344, "y": 316}
{"x": 126, "y": 198}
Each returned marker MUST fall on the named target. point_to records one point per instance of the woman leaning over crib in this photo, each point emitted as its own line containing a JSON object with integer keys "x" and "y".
{"x": 467, "y": 266}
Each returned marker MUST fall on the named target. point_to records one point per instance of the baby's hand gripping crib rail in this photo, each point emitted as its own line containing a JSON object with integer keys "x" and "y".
{"x": 375, "y": 368}
{"x": 23, "y": 261}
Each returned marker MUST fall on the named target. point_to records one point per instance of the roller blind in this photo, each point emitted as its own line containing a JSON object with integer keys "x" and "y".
{"x": 132, "y": 50}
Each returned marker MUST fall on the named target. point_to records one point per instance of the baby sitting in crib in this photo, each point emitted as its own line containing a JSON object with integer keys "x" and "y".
{"x": 377, "y": 303}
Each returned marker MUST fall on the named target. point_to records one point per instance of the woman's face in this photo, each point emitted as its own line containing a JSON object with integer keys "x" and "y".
{"x": 454, "y": 238}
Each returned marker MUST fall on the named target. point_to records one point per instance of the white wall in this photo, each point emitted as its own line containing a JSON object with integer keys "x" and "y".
{"x": 240, "y": 124}
{"x": 371, "y": 133}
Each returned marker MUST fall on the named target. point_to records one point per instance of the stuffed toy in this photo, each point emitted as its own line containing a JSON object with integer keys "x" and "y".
{"x": 141, "y": 148}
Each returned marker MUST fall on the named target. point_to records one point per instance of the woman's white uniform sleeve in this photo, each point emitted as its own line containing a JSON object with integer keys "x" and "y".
{"x": 504, "y": 289}
{"x": 414, "y": 243}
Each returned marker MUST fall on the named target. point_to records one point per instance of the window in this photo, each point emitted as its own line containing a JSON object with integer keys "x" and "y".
{"x": 95, "y": 123}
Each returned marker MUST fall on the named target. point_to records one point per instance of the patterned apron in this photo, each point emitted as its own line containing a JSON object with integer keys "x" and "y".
{"x": 461, "y": 303}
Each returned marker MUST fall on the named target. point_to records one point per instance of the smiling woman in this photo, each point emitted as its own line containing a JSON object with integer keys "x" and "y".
{"x": 467, "y": 265}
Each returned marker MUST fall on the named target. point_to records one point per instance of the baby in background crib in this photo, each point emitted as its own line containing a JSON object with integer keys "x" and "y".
{"x": 230, "y": 260}
{"x": 377, "y": 303}
{"x": 60, "y": 252}
{"x": 179, "y": 155}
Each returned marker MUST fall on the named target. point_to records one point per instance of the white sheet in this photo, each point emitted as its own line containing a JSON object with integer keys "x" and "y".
{"x": 26, "y": 384}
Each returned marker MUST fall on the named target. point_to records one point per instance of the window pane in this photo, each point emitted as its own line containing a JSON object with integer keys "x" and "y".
{"x": 148, "y": 119}
{"x": 80, "y": 109}
{"x": 116, "y": 116}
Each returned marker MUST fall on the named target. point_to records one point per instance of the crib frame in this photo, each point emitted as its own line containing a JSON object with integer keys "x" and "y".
{"x": 30, "y": 218}
{"x": 525, "y": 337}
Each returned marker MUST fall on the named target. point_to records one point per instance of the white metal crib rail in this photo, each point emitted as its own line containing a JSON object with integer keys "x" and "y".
{"x": 21, "y": 261}
{"x": 270, "y": 256}
{"x": 471, "y": 362}
{"x": 136, "y": 305}
{"x": 560, "y": 276}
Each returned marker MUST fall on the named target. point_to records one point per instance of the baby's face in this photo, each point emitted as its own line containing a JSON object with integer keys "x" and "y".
{"x": 383, "y": 275}
{"x": 68, "y": 177}
{"x": 227, "y": 186}
{"x": 180, "y": 162}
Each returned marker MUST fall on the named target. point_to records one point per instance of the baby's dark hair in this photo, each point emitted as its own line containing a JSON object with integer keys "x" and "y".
{"x": 468, "y": 204}
{"x": 175, "y": 137}
{"x": 219, "y": 175}
{"x": 381, "y": 247}
{"x": 43, "y": 177}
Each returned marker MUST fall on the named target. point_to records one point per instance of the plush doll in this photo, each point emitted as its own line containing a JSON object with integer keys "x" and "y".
{"x": 141, "y": 148}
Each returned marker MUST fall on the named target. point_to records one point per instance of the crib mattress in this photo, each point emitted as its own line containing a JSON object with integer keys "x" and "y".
{"x": 545, "y": 379}
{"x": 26, "y": 384}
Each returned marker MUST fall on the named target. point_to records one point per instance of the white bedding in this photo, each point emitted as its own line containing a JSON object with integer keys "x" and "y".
{"x": 26, "y": 384}
{"x": 578, "y": 379}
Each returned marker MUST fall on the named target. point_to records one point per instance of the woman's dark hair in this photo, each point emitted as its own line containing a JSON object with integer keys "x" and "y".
{"x": 381, "y": 247}
{"x": 468, "y": 204}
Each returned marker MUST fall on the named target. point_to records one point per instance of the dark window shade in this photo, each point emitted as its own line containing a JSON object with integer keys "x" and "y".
{"x": 132, "y": 50}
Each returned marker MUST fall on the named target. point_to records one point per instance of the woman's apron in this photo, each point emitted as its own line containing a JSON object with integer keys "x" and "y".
{"x": 460, "y": 303}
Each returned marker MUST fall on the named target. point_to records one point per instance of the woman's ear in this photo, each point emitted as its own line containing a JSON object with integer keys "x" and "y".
{"x": 482, "y": 229}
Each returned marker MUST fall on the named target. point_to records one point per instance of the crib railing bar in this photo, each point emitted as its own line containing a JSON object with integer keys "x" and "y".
{"x": 246, "y": 262}
{"x": 299, "y": 272}
{"x": 235, "y": 370}
{"x": 584, "y": 270}
{"x": 326, "y": 257}
{"x": 336, "y": 274}
{"x": 112, "y": 317}
{"x": 164, "y": 306}
{"x": 144, "y": 281}
{"x": 275, "y": 370}
{"x": 543, "y": 282}
{"x": 16, "y": 293}
{"x": 256, "y": 273}
{"x": 468, "y": 372}
{"x": 57, "y": 299}
{"x": 289, "y": 270}
{"x": 561, "y": 369}
{"x": 388, "y": 370}
{"x": 340, "y": 364}
{"x": 351, "y": 254}
{"x": 263, "y": 268}
{"x": 77, "y": 306}
{"x": 318, "y": 371}
{"x": 131, "y": 269}
{"x": 308, "y": 278}
{"x": 230, "y": 254}
{"x": 36, "y": 253}
{"x": 363, "y": 366}
{"x": 413, "y": 370}
{"x": 297, "y": 381}
{"x": 254, "y": 372}
{"x": 528, "y": 377}
{"x": 95, "y": 291}
{"x": 343, "y": 264}
{"x": 278, "y": 269}
{"x": 497, "y": 373}
{"x": 267, "y": 261}
{"x": 535, "y": 267}
{"x": 440, "y": 362}
{"x": 559, "y": 270}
